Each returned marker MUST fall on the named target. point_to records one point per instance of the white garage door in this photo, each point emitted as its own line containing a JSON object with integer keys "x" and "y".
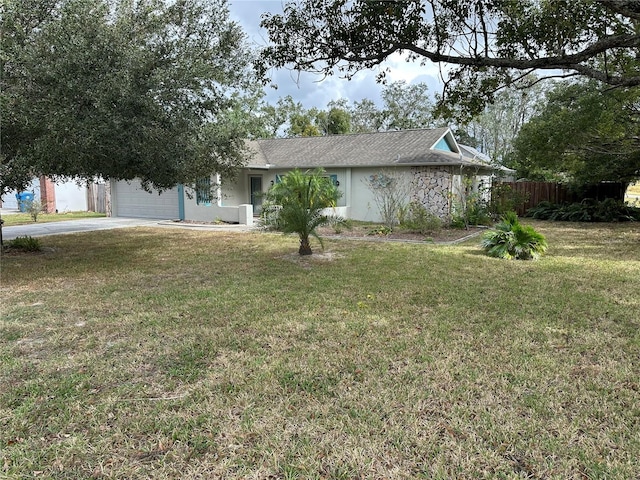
{"x": 132, "y": 201}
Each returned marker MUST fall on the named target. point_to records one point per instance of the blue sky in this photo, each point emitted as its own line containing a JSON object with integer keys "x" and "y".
{"x": 310, "y": 89}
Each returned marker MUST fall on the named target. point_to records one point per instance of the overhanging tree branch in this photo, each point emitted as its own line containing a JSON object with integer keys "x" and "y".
{"x": 484, "y": 38}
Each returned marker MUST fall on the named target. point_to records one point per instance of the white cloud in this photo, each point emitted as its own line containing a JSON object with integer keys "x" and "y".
{"x": 401, "y": 69}
{"x": 314, "y": 90}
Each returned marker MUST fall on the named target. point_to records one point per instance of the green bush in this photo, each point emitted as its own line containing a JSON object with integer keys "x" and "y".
{"x": 475, "y": 212}
{"x": 589, "y": 210}
{"x": 470, "y": 206}
{"x": 27, "y": 244}
{"x": 33, "y": 208}
{"x": 478, "y": 214}
{"x": 510, "y": 240}
{"x": 380, "y": 230}
{"x": 505, "y": 199}
{"x": 414, "y": 217}
{"x": 339, "y": 223}
{"x": 270, "y": 217}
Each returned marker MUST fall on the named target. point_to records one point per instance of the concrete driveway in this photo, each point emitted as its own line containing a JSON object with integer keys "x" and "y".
{"x": 74, "y": 226}
{"x": 108, "y": 223}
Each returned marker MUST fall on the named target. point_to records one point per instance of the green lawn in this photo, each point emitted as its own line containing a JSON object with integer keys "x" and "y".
{"x": 634, "y": 189}
{"x": 632, "y": 194}
{"x": 25, "y": 218}
{"x": 152, "y": 353}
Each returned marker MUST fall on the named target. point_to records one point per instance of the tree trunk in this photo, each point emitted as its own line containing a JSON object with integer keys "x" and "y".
{"x": 305, "y": 246}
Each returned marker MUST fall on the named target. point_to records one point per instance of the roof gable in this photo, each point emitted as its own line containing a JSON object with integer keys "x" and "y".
{"x": 443, "y": 145}
{"x": 447, "y": 143}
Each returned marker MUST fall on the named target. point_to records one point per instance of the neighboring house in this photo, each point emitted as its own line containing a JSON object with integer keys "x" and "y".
{"x": 431, "y": 160}
{"x": 63, "y": 196}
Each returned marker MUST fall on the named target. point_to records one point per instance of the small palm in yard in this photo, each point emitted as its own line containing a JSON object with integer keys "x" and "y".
{"x": 510, "y": 239}
{"x": 300, "y": 199}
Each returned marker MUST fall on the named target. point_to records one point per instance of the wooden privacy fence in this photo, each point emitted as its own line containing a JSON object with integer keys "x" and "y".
{"x": 96, "y": 197}
{"x": 535, "y": 192}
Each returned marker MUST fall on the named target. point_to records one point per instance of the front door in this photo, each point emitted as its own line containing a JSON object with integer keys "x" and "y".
{"x": 256, "y": 194}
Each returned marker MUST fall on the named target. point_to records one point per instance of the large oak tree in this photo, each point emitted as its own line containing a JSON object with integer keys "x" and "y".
{"x": 581, "y": 136}
{"x": 121, "y": 89}
{"x": 488, "y": 43}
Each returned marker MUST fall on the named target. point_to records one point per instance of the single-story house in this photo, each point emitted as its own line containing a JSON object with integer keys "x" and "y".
{"x": 431, "y": 160}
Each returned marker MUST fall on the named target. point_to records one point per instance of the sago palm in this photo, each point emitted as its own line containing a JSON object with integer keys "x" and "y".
{"x": 300, "y": 198}
{"x": 510, "y": 239}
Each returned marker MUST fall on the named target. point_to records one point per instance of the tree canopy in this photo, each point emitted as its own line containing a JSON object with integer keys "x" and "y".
{"x": 403, "y": 106}
{"x": 488, "y": 43}
{"x": 121, "y": 89}
{"x": 582, "y": 136}
{"x": 493, "y": 131}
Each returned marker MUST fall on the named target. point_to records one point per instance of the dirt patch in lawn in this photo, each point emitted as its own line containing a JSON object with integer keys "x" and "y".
{"x": 306, "y": 261}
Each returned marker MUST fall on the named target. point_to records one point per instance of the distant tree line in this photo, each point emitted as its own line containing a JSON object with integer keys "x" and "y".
{"x": 402, "y": 106}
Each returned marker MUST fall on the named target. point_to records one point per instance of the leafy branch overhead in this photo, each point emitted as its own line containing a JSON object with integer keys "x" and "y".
{"x": 489, "y": 43}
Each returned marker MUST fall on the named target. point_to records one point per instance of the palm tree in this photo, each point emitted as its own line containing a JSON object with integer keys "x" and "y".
{"x": 510, "y": 239}
{"x": 299, "y": 199}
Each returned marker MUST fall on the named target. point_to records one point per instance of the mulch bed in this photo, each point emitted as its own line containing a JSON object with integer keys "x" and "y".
{"x": 445, "y": 235}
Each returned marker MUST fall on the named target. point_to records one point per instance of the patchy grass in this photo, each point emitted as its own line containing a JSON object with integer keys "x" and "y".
{"x": 633, "y": 193}
{"x": 25, "y": 218}
{"x": 634, "y": 188}
{"x": 147, "y": 353}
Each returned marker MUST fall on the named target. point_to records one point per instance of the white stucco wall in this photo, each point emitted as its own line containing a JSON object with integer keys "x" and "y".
{"x": 337, "y": 212}
{"x": 432, "y": 186}
{"x": 217, "y": 210}
{"x": 363, "y": 205}
{"x": 71, "y": 197}
{"x": 213, "y": 213}
{"x": 357, "y": 201}
{"x": 235, "y": 192}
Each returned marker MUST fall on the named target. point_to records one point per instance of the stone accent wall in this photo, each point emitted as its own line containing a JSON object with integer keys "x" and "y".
{"x": 431, "y": 186}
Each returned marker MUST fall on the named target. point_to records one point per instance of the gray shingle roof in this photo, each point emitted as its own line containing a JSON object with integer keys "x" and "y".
{"x": 382, "y": 149}
{"x": 480, "y": 158}
{"x": 471, "y": 152}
